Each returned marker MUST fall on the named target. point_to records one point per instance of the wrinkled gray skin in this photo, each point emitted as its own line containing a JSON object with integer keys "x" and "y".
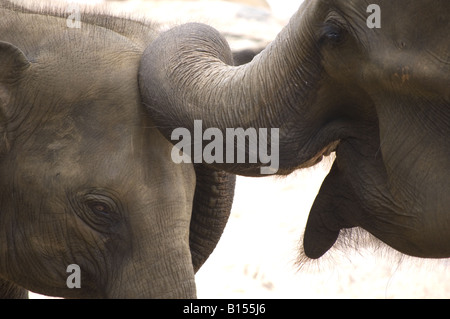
{"x": 382, "y": 96}
{"x": 86, "y": 177}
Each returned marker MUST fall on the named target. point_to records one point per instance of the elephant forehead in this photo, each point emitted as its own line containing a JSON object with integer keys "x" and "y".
{"x": 68, "y": 58}
{"x": 78, "y": 74}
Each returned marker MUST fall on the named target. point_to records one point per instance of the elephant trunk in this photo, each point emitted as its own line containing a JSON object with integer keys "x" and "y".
{"x": 186, "y": 74}
{"x": 213, "y": 200}
{"x": 157, "y": 262}
{"x": 168, "y": 274}
{"x": 153, "y": 281}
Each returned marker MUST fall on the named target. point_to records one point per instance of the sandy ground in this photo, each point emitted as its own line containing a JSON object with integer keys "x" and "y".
{"x": 256, "y": 255}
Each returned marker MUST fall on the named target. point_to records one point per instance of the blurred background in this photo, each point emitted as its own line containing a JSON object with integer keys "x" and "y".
{"x": 256, "y": 255}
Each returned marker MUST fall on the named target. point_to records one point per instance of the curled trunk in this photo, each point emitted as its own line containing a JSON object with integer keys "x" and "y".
{"x": 186, "y": 74}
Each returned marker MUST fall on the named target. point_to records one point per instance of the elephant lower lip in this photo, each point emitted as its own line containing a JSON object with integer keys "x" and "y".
{"x": 319, "y": 159}
{"x": 326, "y": 151}
{"x": 331, "y": 148}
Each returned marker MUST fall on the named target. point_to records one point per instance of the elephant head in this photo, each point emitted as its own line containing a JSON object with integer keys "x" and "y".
{"x": 86, "y": 178}
{"x": 331, "y": 80}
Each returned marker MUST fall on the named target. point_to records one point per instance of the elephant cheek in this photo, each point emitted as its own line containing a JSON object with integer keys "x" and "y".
{"x": 330, "y": 213}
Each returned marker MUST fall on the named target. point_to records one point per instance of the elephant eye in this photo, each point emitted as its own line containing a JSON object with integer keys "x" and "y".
{"x": 99, "y": 208}
{"x": 332, "y": 33}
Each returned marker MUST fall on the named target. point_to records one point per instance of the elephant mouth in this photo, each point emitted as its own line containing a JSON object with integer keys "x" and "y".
{"x": 324, "y": 152}
{"x": 287, "y": 168}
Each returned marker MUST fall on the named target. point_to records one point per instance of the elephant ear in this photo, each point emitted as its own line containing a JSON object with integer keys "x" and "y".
{"x": 12, "y": 65}
{"x": 12, "y": 62}
{"x": 213, "y": 199}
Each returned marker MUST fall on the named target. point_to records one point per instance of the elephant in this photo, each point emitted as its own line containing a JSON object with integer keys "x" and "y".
{"x": 368, "y": 80}
{"x": 87, "y": 180}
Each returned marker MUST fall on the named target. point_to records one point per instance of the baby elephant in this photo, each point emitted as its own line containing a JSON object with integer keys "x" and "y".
{"x": 91, "y": 204}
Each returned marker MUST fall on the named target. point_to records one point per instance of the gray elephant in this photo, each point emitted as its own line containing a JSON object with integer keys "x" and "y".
{"x": 367, "y": 79}
{"x": 86, "y": 177}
